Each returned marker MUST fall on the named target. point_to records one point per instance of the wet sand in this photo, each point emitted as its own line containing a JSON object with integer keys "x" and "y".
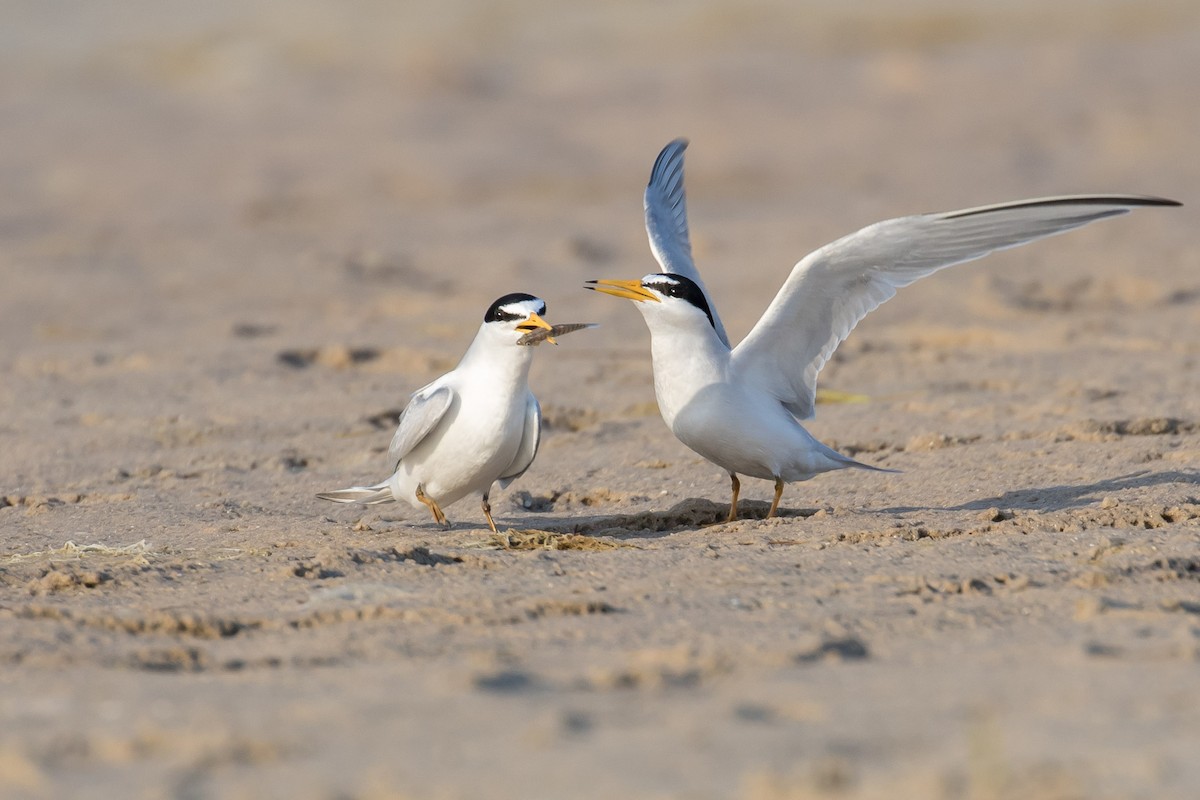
{"x": 235, "y": 237}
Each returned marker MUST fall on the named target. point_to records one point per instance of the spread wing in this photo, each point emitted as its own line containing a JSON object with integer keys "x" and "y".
{"x": 530, "y": 439}
{"x": 833, "y": 288}
{"x": 424, "y": 411}
{"x": 667, "y": 225}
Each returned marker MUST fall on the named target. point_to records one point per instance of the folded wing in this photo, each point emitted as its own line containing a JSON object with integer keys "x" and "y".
{"x": 530, "y": 439}
{"x": 423, "y": 412}
{"x": 833, "y": 288}
{"x": 667, "y": 225}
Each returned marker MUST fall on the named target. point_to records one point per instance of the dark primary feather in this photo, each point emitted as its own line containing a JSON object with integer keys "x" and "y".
{"x": 667, "y": 175}
{"x": 1108, "y": 200}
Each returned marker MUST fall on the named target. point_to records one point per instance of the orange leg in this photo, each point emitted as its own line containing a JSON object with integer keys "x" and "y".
{"x": 778, "y": 494}
{"x": 737, "y": 488}
{"x": 438, "y": 516}
{"x": 487, "y": 512}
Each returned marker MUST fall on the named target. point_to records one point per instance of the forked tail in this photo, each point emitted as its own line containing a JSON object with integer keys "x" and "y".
{"x": 850, "y": 462}
{"x": 847, "y": 461}
{"x": 367, "y": 495}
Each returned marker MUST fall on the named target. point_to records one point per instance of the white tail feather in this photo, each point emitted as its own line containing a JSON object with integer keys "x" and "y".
{"x": 850, "y": 462}
{"x": 367, "y": 495}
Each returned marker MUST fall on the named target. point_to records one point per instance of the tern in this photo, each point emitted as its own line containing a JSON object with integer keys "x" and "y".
{"x": 475, "y": 425}
{"x": 741, "y": 407}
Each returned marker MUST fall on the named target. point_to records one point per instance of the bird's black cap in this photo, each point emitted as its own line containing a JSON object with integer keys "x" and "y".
{"x": 496, "y": 312}
{"x": 679, "y": 286}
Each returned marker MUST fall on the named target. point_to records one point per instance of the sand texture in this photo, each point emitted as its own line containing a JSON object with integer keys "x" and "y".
{"x": 234, "y": 236}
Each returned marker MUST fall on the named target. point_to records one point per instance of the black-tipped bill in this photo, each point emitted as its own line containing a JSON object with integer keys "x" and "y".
{"x": 630, "y": 290}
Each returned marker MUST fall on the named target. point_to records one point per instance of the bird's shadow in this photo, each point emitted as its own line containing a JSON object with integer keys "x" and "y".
{"x": 696, "y": 513}
{"x": 693, "y": 513}
{"x": 1065, "y": 496}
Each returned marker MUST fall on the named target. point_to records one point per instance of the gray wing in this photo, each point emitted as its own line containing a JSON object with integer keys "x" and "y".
{"x": 667, "y": 225}
{"x": 530, "y": 439}
{"x": 833, "y": 288}
{"x": 424, "y": 411}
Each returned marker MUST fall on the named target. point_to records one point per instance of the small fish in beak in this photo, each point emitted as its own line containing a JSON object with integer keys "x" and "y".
{"x": 537, "y": 334}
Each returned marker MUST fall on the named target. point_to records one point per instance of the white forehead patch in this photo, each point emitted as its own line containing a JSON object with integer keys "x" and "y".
{"x": 524, "y": 308}
{"x": 658, "y": 279}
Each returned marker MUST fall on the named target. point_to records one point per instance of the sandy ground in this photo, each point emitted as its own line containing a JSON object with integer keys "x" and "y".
{"x": 235, "y": 235}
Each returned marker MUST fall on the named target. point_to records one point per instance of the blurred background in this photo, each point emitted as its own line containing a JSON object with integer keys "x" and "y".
{"x": 164, "y": 159}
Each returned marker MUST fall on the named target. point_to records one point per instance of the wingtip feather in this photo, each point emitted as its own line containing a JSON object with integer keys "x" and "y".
{"x": 673, "y": 150}
{"x": 1116, "y": 203}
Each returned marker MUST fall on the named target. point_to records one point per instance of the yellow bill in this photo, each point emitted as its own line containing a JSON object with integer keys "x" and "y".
{"x": 630, "y": 290}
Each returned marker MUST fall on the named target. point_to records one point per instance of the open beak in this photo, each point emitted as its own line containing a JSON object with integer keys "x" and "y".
{"x": 630, "y": 290}
{"x": 533, "y": 322}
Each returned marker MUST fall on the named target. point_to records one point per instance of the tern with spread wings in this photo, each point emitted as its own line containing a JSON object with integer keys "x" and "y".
{"x": 741, "y": 407}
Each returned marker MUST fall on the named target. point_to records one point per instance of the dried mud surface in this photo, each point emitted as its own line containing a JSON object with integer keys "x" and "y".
{"x": 234, "y": 237}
